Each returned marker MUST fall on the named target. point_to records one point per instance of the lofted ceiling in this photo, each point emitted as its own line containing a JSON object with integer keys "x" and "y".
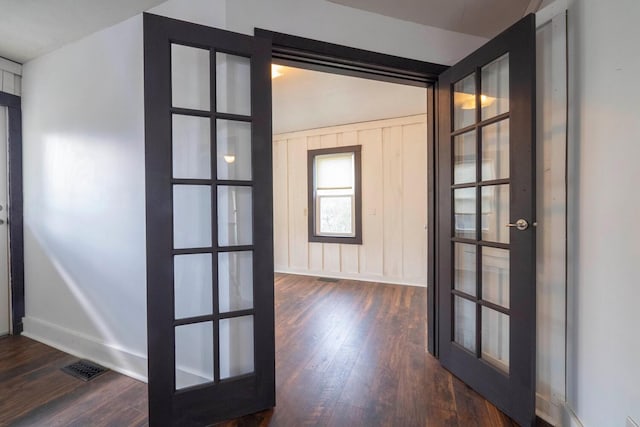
{"x": 304, "y": 99}
{"x": 485, "y": 18}
{"x": 29, "y": 28}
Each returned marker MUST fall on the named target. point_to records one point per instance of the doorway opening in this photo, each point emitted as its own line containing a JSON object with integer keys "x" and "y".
{"x": 317, "y": 212}
{"x": 348, "y": 328}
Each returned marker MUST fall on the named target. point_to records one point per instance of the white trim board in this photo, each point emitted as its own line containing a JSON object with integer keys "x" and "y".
{"x": 353, "y": 127}
{"x": 10, "y": 66}
{"x": 345, "y": 276}
{"x": 82, "y": 346}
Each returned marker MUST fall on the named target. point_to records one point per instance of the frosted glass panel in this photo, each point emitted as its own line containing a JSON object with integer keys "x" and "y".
{"x": 234, "y": 150}
{"x": 235, "y": 216}
{"x": 464, "y": 102}
{"x": 465, "y": 268}
{"x": 495, "y": 151}
{"x": 236, "y": 346}
{"x": 495, "y": 87}
{"x": 190, "y": 77}
{"x": 495, "y": 213}
{"x": 235, "y": 280}
{"x": 464, "y": 202}
{"x": 194, "y": 354}
{"x": 495, "y": 338}
{"x": 233, "y": 84}
{"x": 335, "y": 170}
{"x": 191, "y": 216}
{"x": 465, "y": 323}
{"x": 495, "y": 276}
{"x": 191, "y": 145}
{"x": 192, "y": 285}
{"x": 464, "y": 158}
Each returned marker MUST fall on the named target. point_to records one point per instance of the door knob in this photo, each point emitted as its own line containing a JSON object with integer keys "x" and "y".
{"x": 520, "y": 224}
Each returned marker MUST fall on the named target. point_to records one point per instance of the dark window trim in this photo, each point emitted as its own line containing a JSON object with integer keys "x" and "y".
{"x": 311, "y": 215}
{"x": 15, "y": 214}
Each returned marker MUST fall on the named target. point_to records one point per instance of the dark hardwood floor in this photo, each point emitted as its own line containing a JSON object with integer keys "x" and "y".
{"x": 35, "y": 392}
{"x": 348, "y": 354}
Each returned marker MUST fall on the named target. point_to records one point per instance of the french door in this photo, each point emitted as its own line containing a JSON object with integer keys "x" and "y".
{"x": 209, "y": 223}
{"x": 486, "y": 208}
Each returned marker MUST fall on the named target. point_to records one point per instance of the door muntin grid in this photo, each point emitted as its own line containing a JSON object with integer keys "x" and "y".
{"x": 480, "y": 211}
{"x": 226, "y": 177}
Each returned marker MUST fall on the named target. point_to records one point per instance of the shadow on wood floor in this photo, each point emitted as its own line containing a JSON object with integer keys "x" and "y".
{"x": 348, "y": 353}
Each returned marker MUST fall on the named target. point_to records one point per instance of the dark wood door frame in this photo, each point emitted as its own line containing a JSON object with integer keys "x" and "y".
{"x": 316, "y": 55}
{"x": 15, "y": 219}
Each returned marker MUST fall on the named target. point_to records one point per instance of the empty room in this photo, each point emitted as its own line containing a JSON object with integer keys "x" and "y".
{"x": 327, "y": 212}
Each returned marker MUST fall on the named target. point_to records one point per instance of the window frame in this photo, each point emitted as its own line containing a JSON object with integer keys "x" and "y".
{"x": 357, "y": 212}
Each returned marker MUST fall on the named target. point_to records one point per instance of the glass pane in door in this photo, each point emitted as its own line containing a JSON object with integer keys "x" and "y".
{"x": 495, "y": 87}
{"x": 233, "y": 147}
{"x": 191, "y": 147}
{"x": 190, "y": 78}
{"x": 192, "y": 285}
{"x": 464, "y": 158}
{"x": 464, "y": 102}
{"x": 194, "y": 354}
{"x": 235, "y": 218}
{"x": 236, "y": 346}
{"x": 235, "y": 280}
{"x": 495, "y": 338}
{"x": 465, "y": 261}
{"x": 495, "y": 151}
{"x": 233, "y": 84}
{"x": 495, "y": 276}
{"x": 464, "y": 323}
{"x": 464, "y": 208}
{"x": 191, "y": 216}
{"x": 495, "y": 213}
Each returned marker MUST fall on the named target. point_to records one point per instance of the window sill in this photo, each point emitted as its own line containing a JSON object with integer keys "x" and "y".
{"x": 357, "y": 240}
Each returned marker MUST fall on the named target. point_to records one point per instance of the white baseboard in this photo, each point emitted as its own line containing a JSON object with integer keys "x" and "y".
{"x": 348, "y": 276}
{"x": 86, "y": 347}
{"x": 549, "y": 410}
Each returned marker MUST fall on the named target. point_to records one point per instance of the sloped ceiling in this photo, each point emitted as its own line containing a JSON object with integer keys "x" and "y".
{"x": 29, "y": 28}
{"x": 485, "y": 18}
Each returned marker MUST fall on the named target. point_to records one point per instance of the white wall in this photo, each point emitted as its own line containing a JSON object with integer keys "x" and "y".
{"x": 84, "y": 198}
{"x": 84, "y": 164}
{"x": 394, "y": 203}
{"x": 330, "y": 22}
{"x": 603, "y": 378}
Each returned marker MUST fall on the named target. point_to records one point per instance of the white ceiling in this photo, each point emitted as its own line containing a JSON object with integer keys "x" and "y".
{"x": 29, "y": 28}
{"x": 485, "y": 18}
{"x": 304, "y": 99}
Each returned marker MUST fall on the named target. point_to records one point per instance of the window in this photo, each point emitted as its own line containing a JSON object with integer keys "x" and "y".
{"x": 335, "y": 195}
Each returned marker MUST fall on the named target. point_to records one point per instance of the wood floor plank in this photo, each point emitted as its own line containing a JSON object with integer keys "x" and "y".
{"x": 348, "y": 353}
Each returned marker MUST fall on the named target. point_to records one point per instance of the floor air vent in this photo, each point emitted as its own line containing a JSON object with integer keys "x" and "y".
{"x": 328, "y": 279}
{"x": 84, "y": 369}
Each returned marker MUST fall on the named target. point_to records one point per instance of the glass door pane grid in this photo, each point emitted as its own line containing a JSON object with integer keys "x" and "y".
{"x": 478, "y": 185}
{"x": 214, "y": 183}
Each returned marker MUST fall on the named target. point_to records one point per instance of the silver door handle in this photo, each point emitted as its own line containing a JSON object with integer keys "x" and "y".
{"x": 520, "y": 224}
